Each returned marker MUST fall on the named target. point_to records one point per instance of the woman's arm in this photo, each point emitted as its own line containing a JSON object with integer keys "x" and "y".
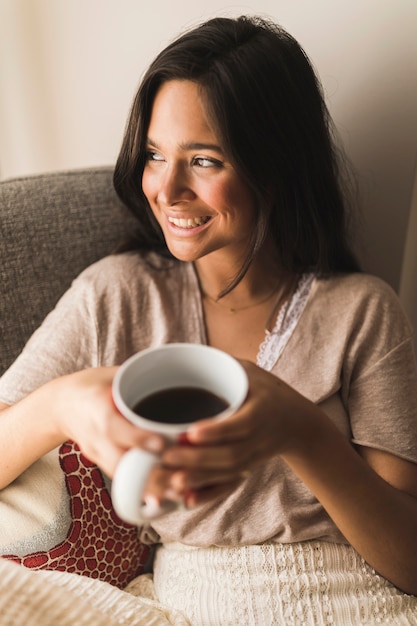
{"x": 370, "y": 495}
{"x": 24, "y": 438}
{"x": 77, "y": 407}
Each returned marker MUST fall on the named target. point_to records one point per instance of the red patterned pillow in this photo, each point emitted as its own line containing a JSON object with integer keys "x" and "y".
{"x": 97, "y": 543}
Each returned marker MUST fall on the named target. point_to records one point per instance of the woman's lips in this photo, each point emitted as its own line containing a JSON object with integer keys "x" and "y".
{"x": 188, "y": 222}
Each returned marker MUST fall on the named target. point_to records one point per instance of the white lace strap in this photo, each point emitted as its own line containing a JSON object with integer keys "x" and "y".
{"x": 275, "y": 341}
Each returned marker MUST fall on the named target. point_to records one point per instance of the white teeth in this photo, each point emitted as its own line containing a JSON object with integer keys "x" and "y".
{"x": 190, "y": 222}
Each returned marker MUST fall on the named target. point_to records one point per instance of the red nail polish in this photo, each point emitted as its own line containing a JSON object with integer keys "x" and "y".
{"x": 189, "y": 499}
{"x": 183, "y": 440}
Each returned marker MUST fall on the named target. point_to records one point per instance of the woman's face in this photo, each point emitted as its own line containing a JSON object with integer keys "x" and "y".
{"x": 201, "y": 204}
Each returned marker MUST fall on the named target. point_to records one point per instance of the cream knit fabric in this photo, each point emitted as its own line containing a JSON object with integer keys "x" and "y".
{"x": 52, "y": 598}
{"x": 300, "y": 584}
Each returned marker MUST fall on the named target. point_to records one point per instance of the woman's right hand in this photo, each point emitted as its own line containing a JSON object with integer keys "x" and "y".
{"x": 79, "y": 407}
{"x": 94, "y": 422}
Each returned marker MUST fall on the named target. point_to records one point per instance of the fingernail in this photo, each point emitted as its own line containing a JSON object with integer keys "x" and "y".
{"x": 151, "y": 506}
{"x": 189, "y": 499}
{"x": 153, "y": 444}
{"x": 183, "y": 440}
{"x": 171, "y": 494}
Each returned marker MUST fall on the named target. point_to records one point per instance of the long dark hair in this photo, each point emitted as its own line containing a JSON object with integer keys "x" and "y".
{"x": 267, "y": 109}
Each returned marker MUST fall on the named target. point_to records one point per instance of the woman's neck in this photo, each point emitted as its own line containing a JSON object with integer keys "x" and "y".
{"x": 262, "y": 281}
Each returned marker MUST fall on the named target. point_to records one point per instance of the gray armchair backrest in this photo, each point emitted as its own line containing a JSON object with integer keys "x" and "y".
{"x": 52, "y": 226}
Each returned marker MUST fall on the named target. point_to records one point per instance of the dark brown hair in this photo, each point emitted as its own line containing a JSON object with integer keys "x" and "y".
{"x": 267, "y": 109}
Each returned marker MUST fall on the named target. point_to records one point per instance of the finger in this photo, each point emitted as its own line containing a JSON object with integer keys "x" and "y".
{"x": 122, "y": 432}
{"x": 114, "y": 439}
{"x": 107, "y": 457}
{"x": 159, "y": 485}
{"x": 235, "y": 427}
{"x": 230, "y": 458}
{"x": 181, "y": 481}
{"x": 244, "y": 421}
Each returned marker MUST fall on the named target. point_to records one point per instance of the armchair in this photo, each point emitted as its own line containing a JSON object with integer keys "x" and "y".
{"x": 52, "y": 226}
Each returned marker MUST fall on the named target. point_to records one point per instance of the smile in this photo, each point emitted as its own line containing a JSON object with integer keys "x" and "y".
{"x": 189, "y": 222}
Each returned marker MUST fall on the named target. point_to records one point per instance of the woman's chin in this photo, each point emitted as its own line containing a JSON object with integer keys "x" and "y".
{"x": 186, "y": 253}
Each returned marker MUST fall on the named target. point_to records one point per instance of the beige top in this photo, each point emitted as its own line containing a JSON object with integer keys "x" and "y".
{"x": 351, "y": 352}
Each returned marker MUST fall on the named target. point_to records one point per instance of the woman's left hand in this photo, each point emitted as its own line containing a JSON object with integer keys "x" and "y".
{"x": 221, "y": 453}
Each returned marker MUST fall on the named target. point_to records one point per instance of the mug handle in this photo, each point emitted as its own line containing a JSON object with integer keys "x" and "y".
{"x": 128, "y": 485}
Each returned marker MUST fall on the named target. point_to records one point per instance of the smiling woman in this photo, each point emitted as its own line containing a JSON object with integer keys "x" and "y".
{"x": 198, "y": 199}
{"x": 300, "y": 508}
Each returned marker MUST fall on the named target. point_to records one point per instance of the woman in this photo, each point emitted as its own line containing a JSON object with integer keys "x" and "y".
{"x": 294, "y": 502}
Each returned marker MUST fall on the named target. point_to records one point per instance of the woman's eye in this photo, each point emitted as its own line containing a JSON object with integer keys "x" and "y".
{"x": 206, "y": 162}
{"x": 151, "y": 155}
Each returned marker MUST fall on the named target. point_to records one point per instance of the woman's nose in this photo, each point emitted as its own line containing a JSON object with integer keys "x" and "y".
{"x": 175, "y": 186}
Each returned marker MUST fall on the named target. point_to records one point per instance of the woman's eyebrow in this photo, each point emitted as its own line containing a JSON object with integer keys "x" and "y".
{"x": 151, "y": 142}
{"x": 192, "y": 145}
{"x": 201, "y": 146}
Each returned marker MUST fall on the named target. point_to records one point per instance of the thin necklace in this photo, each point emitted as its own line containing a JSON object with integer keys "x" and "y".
{"x": 241, "y": 308}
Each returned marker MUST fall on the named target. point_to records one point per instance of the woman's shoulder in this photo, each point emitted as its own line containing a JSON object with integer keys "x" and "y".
{"x": 356, "y": 291}
{"x": 359, "y": 282}
{"x": 131, "y": 261}
{"x": 360, "y": 301}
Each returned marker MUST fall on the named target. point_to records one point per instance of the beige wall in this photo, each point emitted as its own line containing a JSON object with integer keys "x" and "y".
{"x": 408, "y": 282}
{"x": 69, "y": 69}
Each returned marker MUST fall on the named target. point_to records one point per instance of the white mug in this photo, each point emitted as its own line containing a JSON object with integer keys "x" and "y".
{"x": 171, "y": 366}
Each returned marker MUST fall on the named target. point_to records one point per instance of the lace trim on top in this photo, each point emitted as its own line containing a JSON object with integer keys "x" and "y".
{"x": 275, "y": 341}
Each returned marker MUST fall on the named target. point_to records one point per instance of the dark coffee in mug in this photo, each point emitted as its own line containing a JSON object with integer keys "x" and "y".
{"x": 180, "y": 405}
